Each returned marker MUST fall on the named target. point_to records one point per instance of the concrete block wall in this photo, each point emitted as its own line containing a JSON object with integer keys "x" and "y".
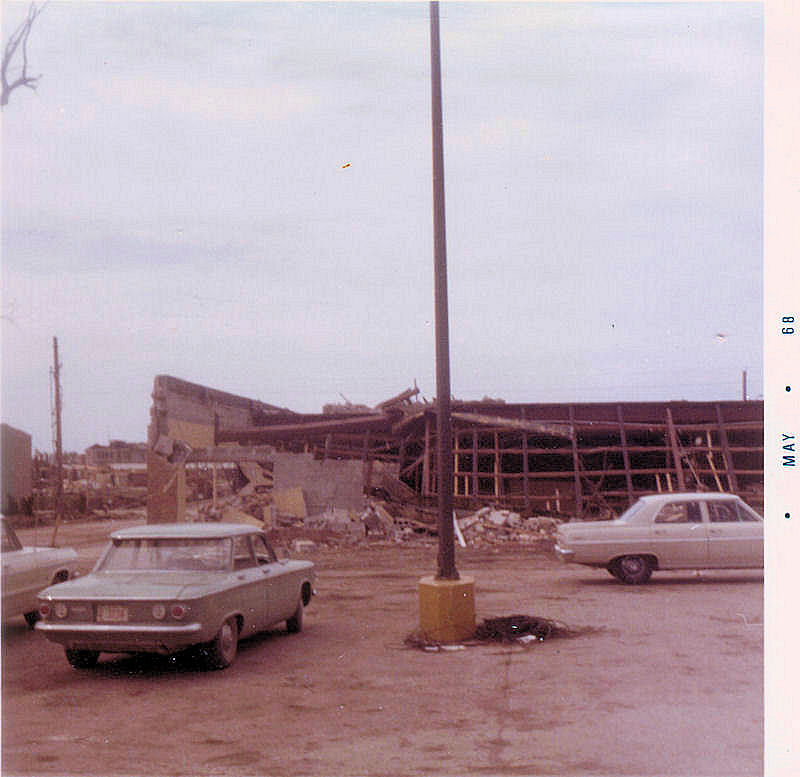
{"x": 328, "y": 483}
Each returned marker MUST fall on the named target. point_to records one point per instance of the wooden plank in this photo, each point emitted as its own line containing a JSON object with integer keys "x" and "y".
{"x": 536, "y": 427}
{"x": 254, "y": 435}
{"x": 221, "y": 454}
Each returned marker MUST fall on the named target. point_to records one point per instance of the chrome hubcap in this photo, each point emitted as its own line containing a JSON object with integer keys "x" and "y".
{"x": 632, "y": 565}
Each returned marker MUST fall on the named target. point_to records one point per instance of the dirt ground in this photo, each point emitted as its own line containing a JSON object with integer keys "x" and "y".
{"x": 667, "y": 681}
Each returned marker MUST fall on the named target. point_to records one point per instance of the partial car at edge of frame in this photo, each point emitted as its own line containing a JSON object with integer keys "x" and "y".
{"x": 28, "y": 569}
{"x": 164, "y": 588}
{"x": 678, "y": 530}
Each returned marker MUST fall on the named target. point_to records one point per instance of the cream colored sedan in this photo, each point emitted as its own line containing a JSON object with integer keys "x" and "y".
{"x": 668, "y": 531}
{"x": 26, "y": 570}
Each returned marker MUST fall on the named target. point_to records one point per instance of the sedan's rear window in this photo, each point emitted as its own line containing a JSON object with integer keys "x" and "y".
{"x": 167, "y": 554}
{"x": 730, "y": 511}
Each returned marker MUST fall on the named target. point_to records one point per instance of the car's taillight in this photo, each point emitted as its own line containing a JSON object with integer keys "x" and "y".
{"x": 159, "y": 612}
{"x": 61, "y": 610}
{"x": 44, "y": 610}
{"x": 177, "y": 611}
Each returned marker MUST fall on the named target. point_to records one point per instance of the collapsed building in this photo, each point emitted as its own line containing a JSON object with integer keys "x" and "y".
{"x": 559, "y": 459}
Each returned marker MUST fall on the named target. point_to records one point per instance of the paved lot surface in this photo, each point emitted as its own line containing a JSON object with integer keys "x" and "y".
{"x": 668, "y": 682}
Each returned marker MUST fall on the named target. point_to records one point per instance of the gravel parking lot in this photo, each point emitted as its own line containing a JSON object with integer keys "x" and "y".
{"x": 667, "y": 680}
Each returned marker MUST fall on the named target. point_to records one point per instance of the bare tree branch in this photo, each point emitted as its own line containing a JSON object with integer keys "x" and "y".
{"x": 19, "y": 38}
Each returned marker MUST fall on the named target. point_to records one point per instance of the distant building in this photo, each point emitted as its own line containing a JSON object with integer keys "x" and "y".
{"x": 116, "y": 452}
{"x": 17, "y": 470}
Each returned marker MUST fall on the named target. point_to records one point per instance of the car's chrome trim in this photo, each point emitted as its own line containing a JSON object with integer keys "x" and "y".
{"x": 96, "y": 629}
{"x": 563, "y": 554}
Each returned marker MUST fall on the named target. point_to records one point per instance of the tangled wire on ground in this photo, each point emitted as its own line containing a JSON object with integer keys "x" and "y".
{"x": 522, "y": 629}
{"x": 511, "y": 627}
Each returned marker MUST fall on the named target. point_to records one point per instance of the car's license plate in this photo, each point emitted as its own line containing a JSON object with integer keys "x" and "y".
{"x": 112, "y": 613}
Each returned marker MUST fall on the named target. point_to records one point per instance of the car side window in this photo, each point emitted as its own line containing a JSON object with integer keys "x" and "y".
{"x": 745, "y": 513}
{"x": 264, "y": 552}
{"x": 722, "y": 512}
{"x": 679, "y": 512}
{"x": 242, "y": 553}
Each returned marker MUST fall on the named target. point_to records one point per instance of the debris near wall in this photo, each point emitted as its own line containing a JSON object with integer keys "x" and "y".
{"x": 490, "y": 526}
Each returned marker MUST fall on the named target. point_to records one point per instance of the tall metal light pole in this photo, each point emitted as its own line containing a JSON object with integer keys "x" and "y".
{"x": 444, "y": 445}
{"x": 58, "y": 491}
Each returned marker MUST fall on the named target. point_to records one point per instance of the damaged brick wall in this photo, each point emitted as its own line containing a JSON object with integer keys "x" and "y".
{"x": 166, "y": 489}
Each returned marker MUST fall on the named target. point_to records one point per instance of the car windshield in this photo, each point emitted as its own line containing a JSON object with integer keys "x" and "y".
{"x": 632, "y": 511}
{"x": 167, "y": 554}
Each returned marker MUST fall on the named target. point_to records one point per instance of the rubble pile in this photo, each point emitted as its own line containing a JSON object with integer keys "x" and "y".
{"x": 489, "y": 526}
{"x": 388, "y": 514}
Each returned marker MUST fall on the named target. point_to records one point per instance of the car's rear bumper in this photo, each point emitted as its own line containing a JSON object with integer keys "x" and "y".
{"x": 563, "y": 554}
{"x": 122, "y": 638}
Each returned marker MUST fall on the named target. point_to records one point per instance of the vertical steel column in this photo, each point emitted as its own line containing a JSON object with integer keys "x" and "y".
{"x": 576, "y": 464}
{"x": 497, "y": 466}
{"x": 366, "y": 464}
{"x": 426, "y": 461}
{"x": 676, "y": 453}
{"x": 733, "y": 484}
{"x": 623, "y": 438}
{"x": 475, "y": 464}
{"x": 525, "y": 468}
{"x": 444, "y": 441}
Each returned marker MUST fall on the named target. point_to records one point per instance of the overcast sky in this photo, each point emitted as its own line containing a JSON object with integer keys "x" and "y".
{"x": 240, "y": 195}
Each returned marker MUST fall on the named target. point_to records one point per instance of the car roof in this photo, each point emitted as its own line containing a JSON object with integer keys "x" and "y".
{"x": 183, "y": 531}
{"x": 707, "y": 496}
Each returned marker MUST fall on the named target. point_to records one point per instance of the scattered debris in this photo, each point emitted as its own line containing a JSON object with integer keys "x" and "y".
{"x": 524, "y": 630}
{"x": 521, "y": 628}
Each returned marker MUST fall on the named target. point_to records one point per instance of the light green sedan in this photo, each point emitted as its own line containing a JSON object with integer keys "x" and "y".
{"x": 162, "y": 588}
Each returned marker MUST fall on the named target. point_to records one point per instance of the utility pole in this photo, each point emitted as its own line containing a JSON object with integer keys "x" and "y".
{"x": 744, "y": 385}
{"x": 444, "y": 443}
{"x": 58, "y": 491}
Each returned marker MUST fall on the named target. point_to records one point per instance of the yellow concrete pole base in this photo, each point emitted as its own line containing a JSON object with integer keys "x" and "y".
{"x": 447, "y": 609}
